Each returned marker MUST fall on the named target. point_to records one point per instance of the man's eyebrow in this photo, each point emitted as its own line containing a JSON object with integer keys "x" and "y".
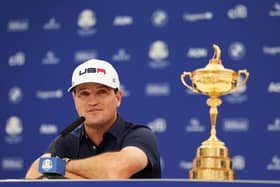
{"x": 81, "y": 88}
{"x": 103, "y": 86}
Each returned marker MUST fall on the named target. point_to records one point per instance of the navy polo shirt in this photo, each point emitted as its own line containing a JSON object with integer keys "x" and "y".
{"x": 122, "y": 134}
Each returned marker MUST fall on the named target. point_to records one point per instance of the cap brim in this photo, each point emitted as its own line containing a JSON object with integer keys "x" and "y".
{"x": 99, "y": 82}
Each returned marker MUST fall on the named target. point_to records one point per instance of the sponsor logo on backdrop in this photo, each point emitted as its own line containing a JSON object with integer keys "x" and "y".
{"x": 158, "y": 53}
{"x": 275, "y": 163}
{"x": 238, "y": 12}
{"x": 123, "y": 21}
{"x": 18, "y": 25}
{"x": 235, "y": 124}
{"x": 238, "y": 96}
{"x": 12, "y": 163}
{"x": 83, "y": 55}
{"x": 121, "y": 55}
{"x": 50, "y": 58}
{"x": 159, "y": 18}
{"x": 186, "y": 165}
{"x": 126, "y": 92}
{"x": 49, "y": 94}
{"x": 15, "y": 95}
{"x": 194, "y": 126}
{"x": 193, "y": 17}
{"x": 271, "y": 50}
{"x": 274, "y": 87}
{"x": 17, "y": 59}
{"x": 197, "y": 53}
{"x": 52, "y": 24}
{"x": 86, "y": 23}
{"x": 13, "y": 130}
{"x": 158, "y": 89}
{"x": 275, "y": 126}
{"x": 48, "y": 129}
{"x": 275, "y": 10}
{"x": 238, "y": 162}
{"x": 158, "y": 125}
{"x": 237, "y": 50}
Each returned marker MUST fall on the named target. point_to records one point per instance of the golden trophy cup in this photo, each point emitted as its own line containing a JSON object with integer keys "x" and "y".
{"x": 212, "y": 160}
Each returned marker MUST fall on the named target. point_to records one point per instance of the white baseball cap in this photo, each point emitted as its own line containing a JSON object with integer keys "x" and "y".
{"x": 95, "y": 71}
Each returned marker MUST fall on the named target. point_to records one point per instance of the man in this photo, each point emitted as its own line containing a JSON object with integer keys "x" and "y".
{"x": 105, "y": 146}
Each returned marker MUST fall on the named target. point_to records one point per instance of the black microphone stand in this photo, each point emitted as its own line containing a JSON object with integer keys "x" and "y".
{"x": 62, "y": 134}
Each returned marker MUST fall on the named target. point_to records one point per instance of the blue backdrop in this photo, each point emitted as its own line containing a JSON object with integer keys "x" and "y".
{"x": 150, "y": 43}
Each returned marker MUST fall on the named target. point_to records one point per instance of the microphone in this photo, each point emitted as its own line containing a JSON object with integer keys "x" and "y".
{"x": 72, "y": 126}
{"x": 54, "y": 167}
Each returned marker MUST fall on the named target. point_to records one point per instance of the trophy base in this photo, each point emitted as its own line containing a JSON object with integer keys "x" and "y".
{"x": 211, "y": 174}
{"x": 212, "y": 162}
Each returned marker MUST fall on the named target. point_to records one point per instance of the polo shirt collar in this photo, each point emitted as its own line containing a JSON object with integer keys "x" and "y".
{"x": 117, "y": 127}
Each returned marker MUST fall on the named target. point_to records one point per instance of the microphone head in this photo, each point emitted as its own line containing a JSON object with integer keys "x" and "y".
{"x": 72, "y": 126}
{"x": 81, "y": 119}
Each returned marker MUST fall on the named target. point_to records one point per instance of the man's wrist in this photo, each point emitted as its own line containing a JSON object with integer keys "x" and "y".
{"x": 67, "y": 160}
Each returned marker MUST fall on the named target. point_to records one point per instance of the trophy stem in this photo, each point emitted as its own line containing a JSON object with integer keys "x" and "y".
{"x": 213, "y": 102}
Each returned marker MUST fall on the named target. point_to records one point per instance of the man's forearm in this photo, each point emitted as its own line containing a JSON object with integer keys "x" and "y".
{"x": 69, "y": 175}
{"x": 121, "y": 164}
{"x": 92, "y": 167}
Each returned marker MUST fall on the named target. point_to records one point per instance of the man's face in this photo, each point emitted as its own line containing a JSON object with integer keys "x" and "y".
{"x": 97, "y": 103}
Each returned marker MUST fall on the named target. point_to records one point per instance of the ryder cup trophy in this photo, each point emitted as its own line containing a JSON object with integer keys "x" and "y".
{"x": 212, "y": 160}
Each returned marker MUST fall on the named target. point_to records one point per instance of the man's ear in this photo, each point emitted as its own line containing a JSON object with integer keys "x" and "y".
{"x": 119, "y": 97}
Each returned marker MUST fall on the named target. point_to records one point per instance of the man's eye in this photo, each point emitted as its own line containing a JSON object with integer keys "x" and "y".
{"x": 84, "y": 93}
{"x": 102, "y": 91}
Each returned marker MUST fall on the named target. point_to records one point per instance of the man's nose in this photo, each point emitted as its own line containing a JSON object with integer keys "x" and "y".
{"x": 92, "y": 99}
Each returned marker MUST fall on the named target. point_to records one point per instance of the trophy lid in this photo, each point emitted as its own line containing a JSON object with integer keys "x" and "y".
{"x": 215, "y": 63}
{"x": 214, "y": 79}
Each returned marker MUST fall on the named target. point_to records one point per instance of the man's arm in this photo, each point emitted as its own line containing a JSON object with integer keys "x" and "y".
{"x": 120, "y": 164}
{"x": 33, "y": 171}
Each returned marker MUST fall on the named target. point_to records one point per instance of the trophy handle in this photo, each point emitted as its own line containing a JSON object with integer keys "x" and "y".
{"x": 183, "y": 76}
{"x": 240, "y": 72}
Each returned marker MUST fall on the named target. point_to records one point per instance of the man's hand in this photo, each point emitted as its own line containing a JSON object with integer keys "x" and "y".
{"x": 33, "y": 171}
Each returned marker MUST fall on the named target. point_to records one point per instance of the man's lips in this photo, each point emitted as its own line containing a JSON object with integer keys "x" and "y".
{"x": 94, "y": 110}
